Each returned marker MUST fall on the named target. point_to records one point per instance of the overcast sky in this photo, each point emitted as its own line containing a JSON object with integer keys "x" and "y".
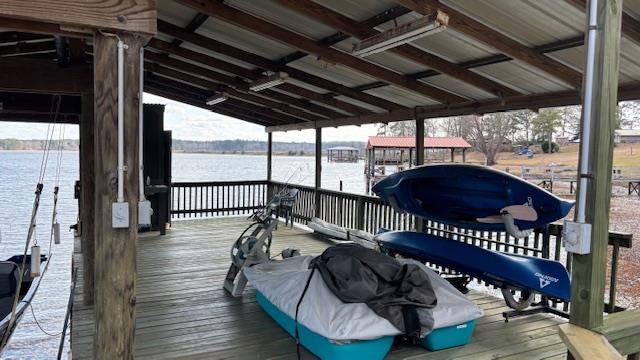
{"x": 191, "y": 123}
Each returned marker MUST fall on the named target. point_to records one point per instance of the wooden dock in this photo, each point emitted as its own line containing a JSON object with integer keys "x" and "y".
{"x": 182, "y": 311}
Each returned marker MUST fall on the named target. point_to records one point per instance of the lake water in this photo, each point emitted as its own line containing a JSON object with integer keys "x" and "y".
{"x": 18, "y": 176}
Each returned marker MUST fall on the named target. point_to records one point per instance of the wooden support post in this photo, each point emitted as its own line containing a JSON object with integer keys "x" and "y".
{"x": 115, "y": 263}
{"x": 270, "y": 188}
{"x": 269, "y": 155}
{"x": 419, "y": 159}
{"x": 87, "y": 195}
{"x": 419, "y": 142}
{"x": 589, "y": 271}
{"x": 318, "y": 171}
{"x": 453, "y": 154}
{"x": 464, "y": 155}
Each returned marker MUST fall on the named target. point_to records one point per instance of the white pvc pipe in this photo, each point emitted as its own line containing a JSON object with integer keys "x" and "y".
{"x": 141, "y": 127}
{"x": 587, "y": 109}
{"x": 121, "y": 48}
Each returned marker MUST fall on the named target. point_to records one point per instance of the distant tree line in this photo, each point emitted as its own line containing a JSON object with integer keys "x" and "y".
{"x": 252, "y": 146}
{"x": 16, "y": 144}
{"x": 491, "y": 133}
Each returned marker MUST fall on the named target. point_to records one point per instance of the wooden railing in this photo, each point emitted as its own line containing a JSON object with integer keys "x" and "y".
{"x": 347, "y": 210}
{"x": 216, "y": 198}
{"x": 368, "y": 213}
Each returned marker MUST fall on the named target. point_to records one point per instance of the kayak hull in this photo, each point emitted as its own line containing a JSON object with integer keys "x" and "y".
{"x": 542, "y": 276}
{"x": 460, "y": 194}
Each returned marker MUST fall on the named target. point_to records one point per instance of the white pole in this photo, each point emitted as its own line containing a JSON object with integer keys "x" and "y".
{"x": 141, "y": 126}
{"x": 121, "y": 47}
{"x": 587, "y": 111}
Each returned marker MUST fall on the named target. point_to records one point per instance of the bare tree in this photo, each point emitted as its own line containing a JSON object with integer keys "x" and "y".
{"x": 571, "y": 120}
{"x": 488, "y": 133}
{"x": 628, "y": 115}
{"x": 398, "y": 128}
{"x": 457, "y": 126}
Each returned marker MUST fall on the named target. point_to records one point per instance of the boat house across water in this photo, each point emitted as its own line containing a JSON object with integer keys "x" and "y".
{"x": 399, "y": 151}
{"x": 343, "y": 154}
{"x": 288, "y": 66}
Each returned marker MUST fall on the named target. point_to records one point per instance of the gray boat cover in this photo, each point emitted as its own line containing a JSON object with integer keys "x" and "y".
{"x": 392, "y": 290}
{"x": 282, "y": 283}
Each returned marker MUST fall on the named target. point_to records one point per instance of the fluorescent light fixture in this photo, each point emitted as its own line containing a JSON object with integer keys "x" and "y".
{"x": 217, "y": 99}
{"x": 402, "y": 34}
{"x": 269, "y": 81}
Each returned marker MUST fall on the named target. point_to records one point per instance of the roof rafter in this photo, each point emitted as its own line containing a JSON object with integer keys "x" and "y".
{"x": 176, "y": 92}
{"x": 285, "y": 113}
{"x": 252, "y": 75}
{"x": 270, "y": 65}
{"x": 336, "y": 20}
{"x": 182, "y": 72}
{"x": 22, "y": 48}
{"x": 233, "y": 81}
{"x": 561, "y": 98}
{"x": 376, "y": 20}
{"x": 492, "y": 59}
{"x": 290, "y": 38}
{"x": 498, "y": 41}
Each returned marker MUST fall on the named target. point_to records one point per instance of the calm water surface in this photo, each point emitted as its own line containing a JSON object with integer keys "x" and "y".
{"x": 18, "y": 177}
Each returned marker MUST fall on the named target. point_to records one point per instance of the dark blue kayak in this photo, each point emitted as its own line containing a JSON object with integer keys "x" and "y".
{"x": 538, "y": 275}
{"x": 460, "y": 194}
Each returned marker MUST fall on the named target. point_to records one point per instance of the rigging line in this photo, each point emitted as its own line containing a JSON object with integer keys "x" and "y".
{"x": 46, "y": 139}
{"x": 39, "y": 326}
{"x": 55, "y": 119}
{"x": 61, "y": 138}
{"x": 34, "y": 212}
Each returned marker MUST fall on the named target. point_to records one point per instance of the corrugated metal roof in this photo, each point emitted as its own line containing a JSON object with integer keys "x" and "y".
{"x": 530, "y": 22}
{"x": 410, "y": 142}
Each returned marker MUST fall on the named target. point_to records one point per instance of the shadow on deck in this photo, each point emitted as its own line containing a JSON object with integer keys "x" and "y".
{"x": 182, "y": 311}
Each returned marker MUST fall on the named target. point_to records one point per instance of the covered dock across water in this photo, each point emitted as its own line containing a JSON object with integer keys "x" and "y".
{"x": 288, "y": 65}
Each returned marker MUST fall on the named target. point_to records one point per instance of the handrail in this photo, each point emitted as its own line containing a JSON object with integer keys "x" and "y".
{"x": 370, "y": 213}
{"x": 585, "y": 344}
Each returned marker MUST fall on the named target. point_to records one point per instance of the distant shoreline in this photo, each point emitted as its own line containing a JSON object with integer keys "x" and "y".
{"x": 279, "y": 153}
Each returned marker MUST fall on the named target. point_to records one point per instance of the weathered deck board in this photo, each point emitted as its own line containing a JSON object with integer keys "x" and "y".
{"x": 182, "y": 311}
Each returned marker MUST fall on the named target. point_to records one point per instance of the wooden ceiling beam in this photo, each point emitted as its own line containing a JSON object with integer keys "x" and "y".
{"x": 38, "y": 27}
{"x": 200, "y": 95}
{"x": 497, "y": 40}
{"x": 241, "y": 85}
{"x": 343, "y": 23}
{"x": 192, "y": 26}
{"x": 630, "y": 26}
{"x": 492, "y": 59}
{"x": 23, "y": 48}
{"x": 266, "y": 64}
{"x": 15, "y": 36}
{"x": 39, "y": 117}
{"x": 286, "y": 110}
{"x": 137, "y": 16}
{"x": 562, "y": 98}
{"x": 177, "y": 93}
{"x": 44, "y": 76}
{"x": 253, "y": 75}
{"x": 17, "y": 102}
{"x": 376, "y": 20}
{"x": 290, "y": 38}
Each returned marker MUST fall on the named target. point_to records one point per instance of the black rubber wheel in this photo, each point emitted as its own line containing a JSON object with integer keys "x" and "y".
{"x": 525, "y": 299}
